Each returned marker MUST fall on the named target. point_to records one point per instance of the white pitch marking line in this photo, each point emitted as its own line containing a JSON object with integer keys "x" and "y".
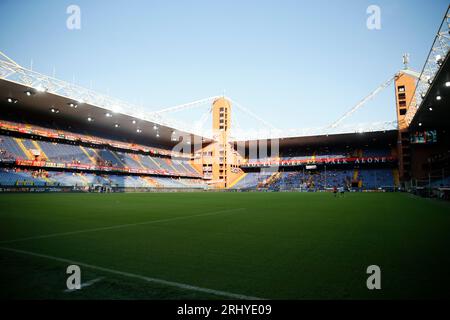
{"x": 137, "y": 276}
{"x": 86, "y": 284}
{"x": 118, "y": 226}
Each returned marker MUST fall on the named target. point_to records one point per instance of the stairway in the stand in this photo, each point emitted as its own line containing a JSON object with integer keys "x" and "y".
{"x": 24, "y": 149}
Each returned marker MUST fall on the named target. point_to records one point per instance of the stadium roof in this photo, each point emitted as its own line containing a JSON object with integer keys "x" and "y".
{"x": 322, "y": 131}
{"x": 434, "y": 112}
{"x": 28, "y": 99}
{"x": 431, "y": 94}
{"x": 355, "y": 138}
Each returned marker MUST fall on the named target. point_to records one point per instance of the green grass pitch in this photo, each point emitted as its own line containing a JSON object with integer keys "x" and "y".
{"x": 224, "y": 245}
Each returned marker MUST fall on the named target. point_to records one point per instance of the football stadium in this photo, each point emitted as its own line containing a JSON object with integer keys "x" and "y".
{"x": 149, "y": 208}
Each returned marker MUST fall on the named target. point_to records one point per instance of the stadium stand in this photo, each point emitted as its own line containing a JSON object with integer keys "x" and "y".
{"x": 322, "y": 168}
{"x": 368, "y": 179}
{"x": 40, "y": 178}
{"x": 107, "y": 158}
{"x": 95, "y": 165}
{"x": 252, "y": 180}
{"x": 69, "y": 153}
{"x": 376, "y": 178}
{"x": 312, "y": 180}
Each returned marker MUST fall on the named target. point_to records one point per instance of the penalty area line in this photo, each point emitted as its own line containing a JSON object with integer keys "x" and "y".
{"x": 127, "y": 225}
{"x": 137, "y": 276}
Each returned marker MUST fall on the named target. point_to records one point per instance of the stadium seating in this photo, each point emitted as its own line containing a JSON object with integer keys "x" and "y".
{"x": 14, "y": 177}
{"x": 7, "y": 143}
{"x": 376, "y": 178}
{"x": 320, "y": 179}
{"x": 108, "y": 157}
{"x": 312, "y": 180}
{"x": 72, "y": 153}
{"x": 59, "y": 152}
{"x": 12, "y": 149}
{"x": 252, "y": 180}
{"x": 317, "y": 180}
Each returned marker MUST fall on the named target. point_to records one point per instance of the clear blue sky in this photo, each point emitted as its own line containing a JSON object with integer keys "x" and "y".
{"x": 295, "y": 63}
